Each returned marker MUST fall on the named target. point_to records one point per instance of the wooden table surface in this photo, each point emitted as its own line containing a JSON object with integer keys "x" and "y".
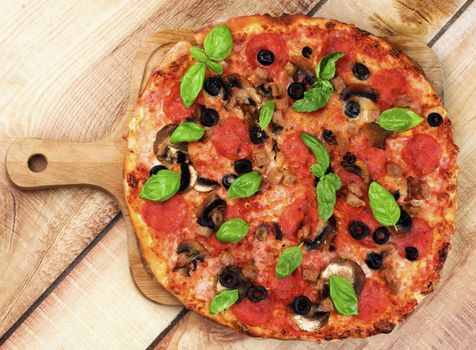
{"x": 64, "y": 74}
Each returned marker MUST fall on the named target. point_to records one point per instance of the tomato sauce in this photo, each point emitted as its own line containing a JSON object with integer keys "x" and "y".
{"x": 165, "y": 217}
{"x": 373, "y": 301}
{"x": 422, "y": 153}
{"x": 231, "y": 139}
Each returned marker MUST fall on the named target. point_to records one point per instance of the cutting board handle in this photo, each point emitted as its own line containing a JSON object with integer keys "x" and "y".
{"x": 34, "y": 163}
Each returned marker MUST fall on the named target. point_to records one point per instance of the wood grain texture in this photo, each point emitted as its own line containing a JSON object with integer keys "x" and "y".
{"x": 95, "y": 306}
{"x": 446, "y": 319}
{"x": 68, "y": 79}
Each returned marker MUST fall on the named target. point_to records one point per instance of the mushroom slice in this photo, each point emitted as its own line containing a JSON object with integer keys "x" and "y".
{"x": 324, "y": 238}
{"x": 188, "y": 177}
{"x": 189, "y": 251}
{"x": 232, "y": 278}
{"x": 347, "y": 269}
{"x": 311, "y": 323}
{"x": 212, "y": 212}
{"x": 167, "y": 152}
{"x": 205, "y": 185}
{"x": 376, "y": 135}
{"x": 359, "y": 90}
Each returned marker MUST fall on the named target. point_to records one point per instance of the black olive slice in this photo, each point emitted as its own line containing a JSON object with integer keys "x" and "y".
{"x": 360, "y": 71}
{"x": 348, "y": 163}
{"x": 358, "y": 230}
{"x": 434, "y": 119}
{"x": 265, "y": 57}
{"x": 184, "y": 177}
{"x": 405, "y": 223}
{"x": 156, "y": 168}
{"x": 234, "y": 82}
{"x": 227, "y": 180}
{"x": 381, "y": 235}
{"x": 373, "y": 261}
{"x": 306, "y": 51}
{"x": 213, "y": 85}
{"x": 257, "y": 135}
{"x": 209, "y": 117}
{"x": 329, "y": 137}
{"x": 411, "y": 253}
{"x": 352, "y": 109}
{"x": 243, "y": 166}
{"x": 302, "y": 305}
{"x": 230, "y": 277}
{"x": 256, "y": 293}
{"x": 296, "y": 90}
{"x": 278, "y": 234}
{"x": 396, "y": 195}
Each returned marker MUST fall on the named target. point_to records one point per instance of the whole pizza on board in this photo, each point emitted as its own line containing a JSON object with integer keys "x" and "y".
{"x": 292, "y": 177}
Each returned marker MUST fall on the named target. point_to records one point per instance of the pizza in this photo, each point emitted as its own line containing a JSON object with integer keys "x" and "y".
{"x": 293, "y": 178}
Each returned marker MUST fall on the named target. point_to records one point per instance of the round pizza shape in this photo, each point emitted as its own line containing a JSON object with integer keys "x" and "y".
{"x": 293, "y": 178}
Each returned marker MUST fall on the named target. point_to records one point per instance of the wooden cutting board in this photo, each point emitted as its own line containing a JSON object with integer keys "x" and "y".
{"x": 33, "y": 163}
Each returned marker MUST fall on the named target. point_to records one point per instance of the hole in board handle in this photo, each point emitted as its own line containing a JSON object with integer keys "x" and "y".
{"x": 37, "y": 163}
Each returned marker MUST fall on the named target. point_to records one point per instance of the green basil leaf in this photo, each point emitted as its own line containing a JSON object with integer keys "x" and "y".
{"x": 187, "y": 132}
{"x": 199, "y": 54}
{"x": 319, "y": 151}
{"x": 245, "y": 186}
{"x": 192, "y": 83}
{"x": 343, "y": 296}
{"x": 232, "y": 231}
{"x": 326, "y": 68}
{"x": 383, "y": 205}
{"x": 215, "y": 67}
{"x": 161, "y": 186}
{"x": 326, "y": 195}
{"x": 223, "y": 300}
{"x": 399, "y": 119}
{"x": 218, "y": 43}
{"x": 288, "y": 261}
{"x": 315, "y": 98}
{"x": 266, "y": 114}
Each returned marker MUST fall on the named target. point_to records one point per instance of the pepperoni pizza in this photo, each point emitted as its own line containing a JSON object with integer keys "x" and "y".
{"x": 293, "y": 178}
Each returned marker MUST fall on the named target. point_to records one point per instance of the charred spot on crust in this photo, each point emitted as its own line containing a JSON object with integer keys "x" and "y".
{"x": 330, "y": 25}
{"x": 131, "y": 180}
{"x": 384, "y": 326}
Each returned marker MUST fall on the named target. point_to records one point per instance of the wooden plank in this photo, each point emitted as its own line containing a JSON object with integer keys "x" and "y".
{"x": 446, "y": 319}
{"x": 68, "y": 79}
{"x": 420, "y": 19}
{"x": 96, "y": 305}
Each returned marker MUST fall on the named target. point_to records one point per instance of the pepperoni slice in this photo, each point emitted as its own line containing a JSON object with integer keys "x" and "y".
{"x": 253, "y": 314}
{"x": 346, "y": 44}
{"x": 292, "y": 217}
{"x": 389, "y": 83}
{"x": 165, "y": 217}
{"x": 420, "y": 237}
{"x": 231, "y": 139}
{"x": 173, "y": 106}
{"x": 373, "y": 301}
{"x": 297, "y": 155}
{"x": 273, "y": 42}
{"x": 287, "y": 288}
{"x": 374, "y": 158}
{"x": 422, "y": 153}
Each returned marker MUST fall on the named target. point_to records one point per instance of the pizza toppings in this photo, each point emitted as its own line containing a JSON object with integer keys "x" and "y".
{"x": 223, "y": 300}
{"x": 346, "y": 269}
{"x": 265, "y": 57}
{"x": 256, "y": 294}
{"x": 156, "y": 168}
{"x": 364, "y": 91}
{"x": 411, "y": 253}
{"x": 212, "y": 213}
{"x": 360, "y": 71}
{"x": 296, "y": 90}
{"x": 205, "y": 185}
{"x": 434, "y": 119}
{"x": 405, "y": 222}
{"x": 373, "y": 300}
{"x": 257, "y": 135}
{"x": 243, "y": 166}
{"x": 230, "y": 138}
{"x": 422, "y": 153}
{"x": 267, "y": 50}
{"x": 358, "y": 230}
{"x": 228, "y": 179}
{"x": 382, "y": 234}
{"x": 302, "y": 305}
{"x": 173, "y": 106}
{"x": 306, "y": 51}
{"x": 374, "y": 261}
{"x": 230, "y": 277}
{"x": 312, "y": 321}
{"x": 245, "y": 186}
{"x": 324, "y": 238}
{"x": 232, "y": 231}
{"x": 288, "y": 261}
{"x": 343, "y": 296}
{"x": 189, "y": 252}
{"x": 352, "y": 109}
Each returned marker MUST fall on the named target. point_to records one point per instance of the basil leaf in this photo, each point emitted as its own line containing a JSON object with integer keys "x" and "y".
{"x": 266, "y": 114}
{"x": 343, "y": 296}
{"x": 218, "y": 43}
{"x": 161, "y": 186}
{"x": 232, "y": 231}
{"x": 187, "y": 132}
{"x": 215, "y": 67}
{"x": 199, "y": 54}
{"x": 383, "y": 205}
{"x": 192, "y": 83}
{"x": 245, "y": 186}
{"x": 315, "y": 98}
{"x": 288, "y": 261}
{"x": 399, "y": 119}
{"x": 319, "y": 151}
{"x": 223, "y": 300}
{"x": 326, "y": 68}
{"x": 326, "y": 195}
